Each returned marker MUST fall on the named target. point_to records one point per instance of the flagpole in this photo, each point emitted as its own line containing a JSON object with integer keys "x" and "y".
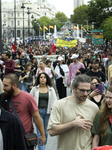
{"x": 81, "y": 32}
{"x": 49, "y": 28}
{"x": 44, "y": 32}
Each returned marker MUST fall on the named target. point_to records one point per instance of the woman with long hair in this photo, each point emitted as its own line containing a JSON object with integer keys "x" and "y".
{"x": 45, "y": 97}
{"x": 27, "y": 77}
{"x": 102, "y": 126}
{"x": 95, "y": 96}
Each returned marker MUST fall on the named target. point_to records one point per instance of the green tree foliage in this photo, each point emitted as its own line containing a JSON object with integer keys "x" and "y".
{"x": 107, "y": 27}
{"x": 60, "y": 17}
{"x": 98, "y": 11}
{"x": 80, "y": 15}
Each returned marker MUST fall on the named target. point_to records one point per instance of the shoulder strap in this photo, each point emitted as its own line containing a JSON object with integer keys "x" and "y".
{"x": 17, "y": 117}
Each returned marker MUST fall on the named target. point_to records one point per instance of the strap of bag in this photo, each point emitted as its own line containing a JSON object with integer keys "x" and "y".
{"x": 17, "y": 117}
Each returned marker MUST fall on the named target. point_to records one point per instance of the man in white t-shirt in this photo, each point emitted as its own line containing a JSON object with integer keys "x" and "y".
{"x": 72, "y": 117}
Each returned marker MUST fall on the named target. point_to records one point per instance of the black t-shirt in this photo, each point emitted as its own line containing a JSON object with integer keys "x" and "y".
{"x": 23, "y": 61}
{"x": 16, "y": 71}
{"x": 98, "y": 74}
{"x": 34, "y": 66}
{"x": 30, "y": 78}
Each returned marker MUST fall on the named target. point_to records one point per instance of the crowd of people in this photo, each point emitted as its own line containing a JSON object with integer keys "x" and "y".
{"x": 38, "y": 90}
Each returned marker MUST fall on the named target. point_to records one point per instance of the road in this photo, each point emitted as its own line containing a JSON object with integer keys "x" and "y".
{"x": 52, "y": 141}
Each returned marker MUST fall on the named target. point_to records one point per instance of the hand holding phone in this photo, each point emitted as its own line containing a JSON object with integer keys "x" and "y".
{"x": 100, "y": 88}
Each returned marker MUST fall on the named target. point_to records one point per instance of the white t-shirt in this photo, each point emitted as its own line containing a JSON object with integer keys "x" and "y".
{"x": 1, "y": 137}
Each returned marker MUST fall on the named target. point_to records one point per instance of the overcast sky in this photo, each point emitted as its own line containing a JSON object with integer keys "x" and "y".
{"x": 65, "y": 6}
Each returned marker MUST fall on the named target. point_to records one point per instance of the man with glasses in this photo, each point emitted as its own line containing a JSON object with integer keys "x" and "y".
{"x": 72, "y": 117}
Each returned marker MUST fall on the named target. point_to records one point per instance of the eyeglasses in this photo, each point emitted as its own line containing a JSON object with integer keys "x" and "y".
{"x": 83, "y": 91}
{"x": 94, "y": 83}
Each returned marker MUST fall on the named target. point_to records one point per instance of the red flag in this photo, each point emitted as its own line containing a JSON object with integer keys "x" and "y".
{"x": 13, "y": 47}
{"x": 30, "y": 49}
{"x": 53, "y": 48}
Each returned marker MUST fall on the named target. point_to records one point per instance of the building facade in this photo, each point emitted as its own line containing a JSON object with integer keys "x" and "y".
{"x": 36, "y": 9}
{"x": 77, "y": 3}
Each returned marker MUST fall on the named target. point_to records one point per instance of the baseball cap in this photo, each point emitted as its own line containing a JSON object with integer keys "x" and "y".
{"x": 60, "y": 58}
{"x": 74, "y": 56}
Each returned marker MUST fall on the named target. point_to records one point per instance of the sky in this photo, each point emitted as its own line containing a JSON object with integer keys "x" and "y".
{"x": 65, "y": 6}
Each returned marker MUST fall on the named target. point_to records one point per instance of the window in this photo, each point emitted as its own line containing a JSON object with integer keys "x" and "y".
{"x": 11, "y": 23}
{"x": 4, "y": 15}
{"x": 12, "y": 14}
{"x": 18, "y": 23}
{"x": 18, "y": 33}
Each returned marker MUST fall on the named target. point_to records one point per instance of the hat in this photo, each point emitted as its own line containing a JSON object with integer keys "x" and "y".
{"x": 17, "y": 61}
{"x": 60, "y": 58}
{"x": 74, "y": 56}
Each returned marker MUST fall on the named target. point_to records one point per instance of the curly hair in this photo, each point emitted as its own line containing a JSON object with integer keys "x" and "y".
{"x": 48, "y": 80}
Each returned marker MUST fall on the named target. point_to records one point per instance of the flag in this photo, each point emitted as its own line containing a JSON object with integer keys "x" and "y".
{"x": 13, "y": 47}
{"x": 83, "y": 28}
{"x": 30, "y": 49}
{"x": 40, "y": 28}
{"x": 75, "y": 28}
{"x": 53, "y": 48}
{"x": 45, "y": 28}
{"x": 51, "y": 27}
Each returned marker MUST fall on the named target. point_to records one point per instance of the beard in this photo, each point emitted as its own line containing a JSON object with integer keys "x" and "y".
{"x": 80, "y": 98}
{"x": 9, "y": 93}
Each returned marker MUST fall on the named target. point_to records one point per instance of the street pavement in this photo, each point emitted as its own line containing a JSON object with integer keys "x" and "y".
{"x": 52, "y": 141}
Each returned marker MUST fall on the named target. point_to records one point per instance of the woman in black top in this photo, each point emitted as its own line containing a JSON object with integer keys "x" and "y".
{"x": 27, "y": 77}
{"x": 18, "y": 70}
{"x": 94, "y": 96}
{"x": 34, "y": 65}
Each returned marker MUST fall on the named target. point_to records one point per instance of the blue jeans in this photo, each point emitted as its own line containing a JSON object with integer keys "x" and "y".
{"x": 45, "y": 118}
{"x": 24, "y": 88}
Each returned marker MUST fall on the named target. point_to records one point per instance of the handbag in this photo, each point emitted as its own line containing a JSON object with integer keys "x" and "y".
{"x": 30, "y": 139}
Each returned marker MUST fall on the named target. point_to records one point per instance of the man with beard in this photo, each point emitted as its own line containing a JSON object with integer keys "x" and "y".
{"x": 24, "y": 104}
{"x": 95, "y": 71}
{"x": 72, "y": 117}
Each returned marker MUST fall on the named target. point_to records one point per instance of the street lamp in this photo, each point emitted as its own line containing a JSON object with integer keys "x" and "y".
{"x": 15, "y": 21}
{"x": 28, "y": 24}
{"x": 38, "y": 23}
{"x": 23, "y": 21}
{"x": 87, "y": 24}
{"x": 3, "y": 30}
{"x": 32, "y": 27}
{"x": 1, "y": 44}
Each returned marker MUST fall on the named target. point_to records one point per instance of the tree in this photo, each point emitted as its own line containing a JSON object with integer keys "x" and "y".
{"x": 60, "y": 17}
{"x": 80, "y": 15}
{"x": 107, "y": 27}
{"x": 98, "y": 11}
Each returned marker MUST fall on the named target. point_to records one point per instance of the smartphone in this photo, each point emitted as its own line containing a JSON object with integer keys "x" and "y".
{"x": 100, "y": 88}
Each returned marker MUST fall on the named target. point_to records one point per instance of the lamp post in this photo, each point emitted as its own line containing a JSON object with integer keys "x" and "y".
{"x": 32, "y": 27}
{"x": 28, "y": 24}
{"x": 15, "y": 21}
{"x": 1, "y": 44}
{"x": 23, "y": 21}
{"x": 38, "y": 23}
{"x": 3, "y": 30}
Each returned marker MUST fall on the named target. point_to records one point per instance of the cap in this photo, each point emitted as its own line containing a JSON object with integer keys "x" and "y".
{"x": 74, "y": 56}
{"x": 60, "y": 58}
